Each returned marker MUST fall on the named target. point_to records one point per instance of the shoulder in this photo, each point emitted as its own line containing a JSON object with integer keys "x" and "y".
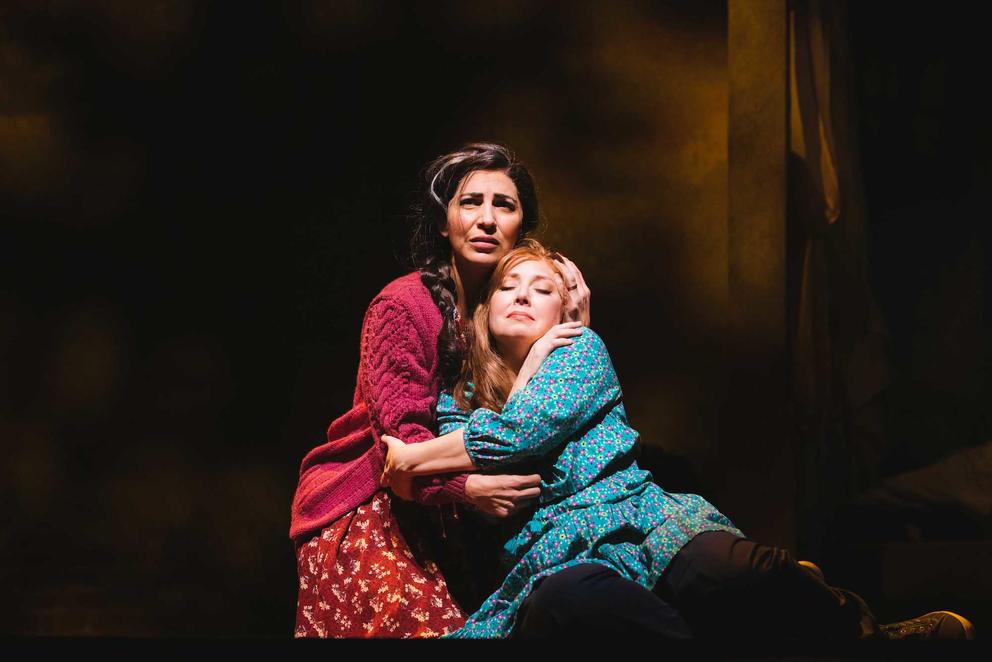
{"x": 585, "y": 357}
{"x": 586, "y": 346}
{"x": 405, "y": 300}
{"x": 408, "y": 288}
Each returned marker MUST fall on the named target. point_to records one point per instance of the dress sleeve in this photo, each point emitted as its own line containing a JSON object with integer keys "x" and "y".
{"x": 575, "y": 385}
{"x": 449, "y": 416}
{"x": 400, "y": 392}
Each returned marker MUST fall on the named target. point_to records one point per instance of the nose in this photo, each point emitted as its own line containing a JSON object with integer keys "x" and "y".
{"x": 521, "y": 295}
{"x": 487, "y": 217}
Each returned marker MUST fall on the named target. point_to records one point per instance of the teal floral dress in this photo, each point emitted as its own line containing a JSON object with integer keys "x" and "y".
{"x": 596, "y": 504}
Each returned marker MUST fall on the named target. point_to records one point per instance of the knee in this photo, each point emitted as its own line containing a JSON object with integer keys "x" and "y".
{"x": 730, "y": 560}
{"x": 561, "y": 603}
{"x": 565, "y": 590}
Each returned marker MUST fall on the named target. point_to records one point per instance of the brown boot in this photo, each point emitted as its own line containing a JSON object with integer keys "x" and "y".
{"x": 935, "y": 625}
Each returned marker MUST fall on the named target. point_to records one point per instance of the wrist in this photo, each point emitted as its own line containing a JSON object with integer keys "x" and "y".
{"x": 472, "y": 487}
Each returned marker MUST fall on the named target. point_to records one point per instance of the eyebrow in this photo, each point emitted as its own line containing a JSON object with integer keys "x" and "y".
{"x": 479, "y": 194}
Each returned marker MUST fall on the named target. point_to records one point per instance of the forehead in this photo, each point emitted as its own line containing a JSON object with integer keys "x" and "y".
{"x": 482, "y": 181}
{"x": 530, "y": 269}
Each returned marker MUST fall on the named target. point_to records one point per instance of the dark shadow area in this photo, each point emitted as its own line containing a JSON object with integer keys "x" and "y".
{"x": 918, "y": 536}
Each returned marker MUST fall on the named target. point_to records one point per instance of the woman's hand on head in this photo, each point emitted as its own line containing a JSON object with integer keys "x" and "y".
{"x": 502, "y": 495}
{"x": 579, "y": 294}
{"x": 395, "y": 472}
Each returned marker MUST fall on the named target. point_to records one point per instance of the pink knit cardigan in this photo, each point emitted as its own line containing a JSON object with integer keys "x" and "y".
{"x": 396, "y": 393}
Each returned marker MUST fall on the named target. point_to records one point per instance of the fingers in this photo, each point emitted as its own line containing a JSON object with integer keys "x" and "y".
{"x": 578, "y": 291}
{"x": 561, "y": 335}
{"x": 519, "y": 483}
{"x": 576, "y": 280}
{"x": 572, "y": 274}
{"x": 568, "y": 329}
{"x": 580, "y": 281}
{"x": 530, "y": 480}
{"x": 572, "y": 328}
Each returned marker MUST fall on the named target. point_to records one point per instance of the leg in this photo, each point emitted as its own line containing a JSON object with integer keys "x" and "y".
{"x": 590, "y": 599}
{"x": 728, "y": 585}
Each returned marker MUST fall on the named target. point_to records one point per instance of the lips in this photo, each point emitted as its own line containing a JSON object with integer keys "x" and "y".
{"x": 484, "y": 241}
{"x": 520, "y": 313}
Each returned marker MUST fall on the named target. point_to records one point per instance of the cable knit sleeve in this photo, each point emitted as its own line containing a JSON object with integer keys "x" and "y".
{"x": 400, "y": 389}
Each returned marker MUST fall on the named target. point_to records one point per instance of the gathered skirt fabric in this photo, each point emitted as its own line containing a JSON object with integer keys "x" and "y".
{"x": 359, "y": 579}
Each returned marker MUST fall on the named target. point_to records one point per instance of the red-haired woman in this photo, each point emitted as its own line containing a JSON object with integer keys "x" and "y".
{"x": 608, "y": 551}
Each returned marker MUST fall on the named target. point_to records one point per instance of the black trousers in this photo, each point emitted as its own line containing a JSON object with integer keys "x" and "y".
{"x": 717, "y": 586}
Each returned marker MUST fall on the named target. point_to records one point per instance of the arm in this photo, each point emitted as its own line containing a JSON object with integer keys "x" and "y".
{"x": 444, "y": 454}
{"x": 574, "y": 385}
{"x": 499, "y": 495}
{"x": 399, "y": 392}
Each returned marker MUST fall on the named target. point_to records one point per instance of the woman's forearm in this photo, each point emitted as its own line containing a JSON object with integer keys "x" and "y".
{"x": 527, "y": 370}
{"x": 441, "y": 455}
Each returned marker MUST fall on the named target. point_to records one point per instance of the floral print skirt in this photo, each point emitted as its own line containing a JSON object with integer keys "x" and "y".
{"x": 359, "y": 578}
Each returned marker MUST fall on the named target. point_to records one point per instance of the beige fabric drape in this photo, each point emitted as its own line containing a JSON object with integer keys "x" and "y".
{"x": 838, "y": 335}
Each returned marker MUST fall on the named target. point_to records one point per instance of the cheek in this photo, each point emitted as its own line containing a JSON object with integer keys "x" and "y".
{"x": 456, "y": 224}
{"x": 550, "y": 314}
{"x": 497, "y": 306}
{"x": 511, "y": 228}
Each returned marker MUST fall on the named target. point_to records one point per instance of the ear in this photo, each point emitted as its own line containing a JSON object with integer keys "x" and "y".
{"x": 444, "y": 232}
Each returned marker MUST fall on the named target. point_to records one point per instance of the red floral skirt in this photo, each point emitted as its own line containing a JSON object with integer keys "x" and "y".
{"x": 359, "y": 578}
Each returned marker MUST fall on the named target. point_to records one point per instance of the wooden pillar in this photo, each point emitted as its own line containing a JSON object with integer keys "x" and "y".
{"x": 756, "y": 441}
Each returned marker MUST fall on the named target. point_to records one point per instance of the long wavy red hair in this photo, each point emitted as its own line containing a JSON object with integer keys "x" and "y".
{"x": 484, "y": 373}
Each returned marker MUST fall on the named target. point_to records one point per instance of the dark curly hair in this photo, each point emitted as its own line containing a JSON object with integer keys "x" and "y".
{"x": 430, "y": 253}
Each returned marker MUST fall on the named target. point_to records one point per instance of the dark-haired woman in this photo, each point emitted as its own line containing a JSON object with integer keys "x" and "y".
{"x": 359, "y": 574}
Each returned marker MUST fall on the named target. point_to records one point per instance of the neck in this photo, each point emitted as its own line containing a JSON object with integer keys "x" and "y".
{"x": 469, "y": 283}
{"x": 514, "y": 355}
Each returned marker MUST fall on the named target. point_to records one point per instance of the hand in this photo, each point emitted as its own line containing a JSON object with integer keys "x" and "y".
{"x": 560, "y": 335}
{"x": 395, "y": 473}
{"x": 502, "y": 495}
{"x": 579, "y": 294}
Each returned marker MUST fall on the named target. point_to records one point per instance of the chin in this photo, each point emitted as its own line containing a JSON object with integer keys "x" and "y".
{"x": 516, "y": 336}
{"x": 488, "y": 259}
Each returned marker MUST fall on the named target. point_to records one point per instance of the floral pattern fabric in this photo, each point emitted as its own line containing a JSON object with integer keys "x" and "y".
{"x": 359, "y": 578}
{"x": 596, "y": 504}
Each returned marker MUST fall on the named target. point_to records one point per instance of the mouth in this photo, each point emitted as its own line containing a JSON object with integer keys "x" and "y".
{"x": 484, "y": 242}
{"x": 517, "y": 314}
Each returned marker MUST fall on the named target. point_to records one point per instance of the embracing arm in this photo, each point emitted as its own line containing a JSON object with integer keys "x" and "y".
{"x": 399, "y": 390}
{"x": 574, "y": 385}
{"x": 499, "y": 495}
{"x": 444, "y": 454}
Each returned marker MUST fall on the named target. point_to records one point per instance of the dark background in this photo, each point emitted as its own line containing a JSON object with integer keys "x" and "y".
{"x": 200, "y": 198}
